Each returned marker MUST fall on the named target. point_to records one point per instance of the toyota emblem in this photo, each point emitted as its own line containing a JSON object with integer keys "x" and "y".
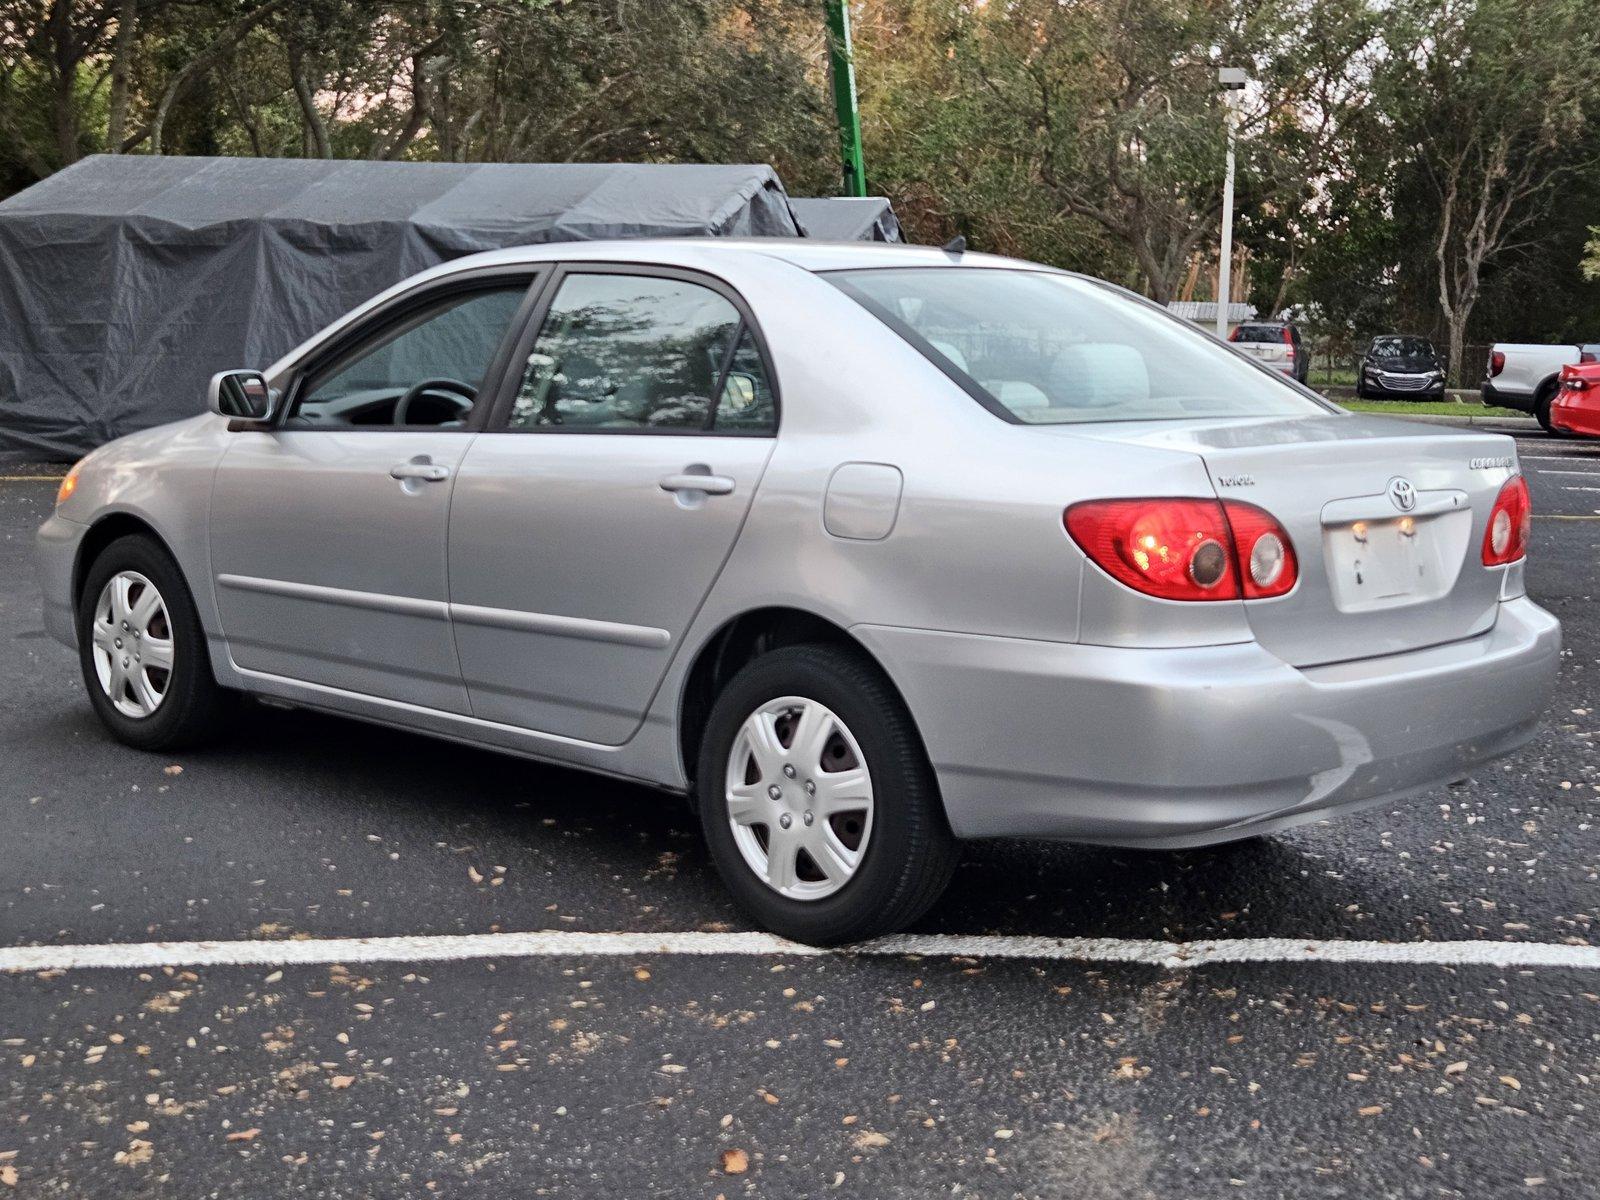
{"x": 1402, "y": 493}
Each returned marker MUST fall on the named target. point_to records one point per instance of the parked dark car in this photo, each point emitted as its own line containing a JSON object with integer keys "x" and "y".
{"x": 1275, "y": 344}
{"x": 1400, "y": 366}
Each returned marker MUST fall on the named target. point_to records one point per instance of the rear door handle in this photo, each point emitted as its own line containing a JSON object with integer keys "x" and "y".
{"x": 711, "y": 485}
{"x": 427, "y": 472}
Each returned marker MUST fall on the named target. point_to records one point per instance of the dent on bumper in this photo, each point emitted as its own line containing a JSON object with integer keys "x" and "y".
{"x": 55, "y": 556}
{"x": 1173, "y": 748}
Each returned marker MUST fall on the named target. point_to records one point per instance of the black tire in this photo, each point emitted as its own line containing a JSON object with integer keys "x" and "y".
{"x": 193, "y": 706}
{"x": 911, "y": 852}
{"x": 1541, "y": 409}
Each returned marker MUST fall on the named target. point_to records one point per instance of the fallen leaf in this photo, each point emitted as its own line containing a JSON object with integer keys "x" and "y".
{"x": 870, "y": 1139}
{"x": 340, "y": 1082}
{"x": 174, "y": 769}
{"x": 8, "y": 1175}
{"x": 1512, "y": 1082}
{"x": 474, "y": 874}
{"x": 1370, "y": 1110}
{"x": 243, "y": 1135}
{"x": 138, "y": 1152}
{"x": 735, "y": 1162}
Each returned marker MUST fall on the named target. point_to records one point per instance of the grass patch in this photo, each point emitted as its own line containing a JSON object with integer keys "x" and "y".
{"x": 1433, "y": 408}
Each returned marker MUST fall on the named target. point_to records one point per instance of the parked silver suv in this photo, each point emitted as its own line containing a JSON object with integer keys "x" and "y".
{"x": 1275, "y": 344}
{"x": 869, "y": 549}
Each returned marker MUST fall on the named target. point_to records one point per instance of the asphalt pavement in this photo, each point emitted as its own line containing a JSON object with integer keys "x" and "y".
{"x": 656, "y": 1072}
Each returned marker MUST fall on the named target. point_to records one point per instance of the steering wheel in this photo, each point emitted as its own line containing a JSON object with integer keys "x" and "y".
{"x": 464, "y": 395}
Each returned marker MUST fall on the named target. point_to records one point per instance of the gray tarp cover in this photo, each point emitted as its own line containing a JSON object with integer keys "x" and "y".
{"x": 847, "y": 218}
{"x": 125, "y": 282}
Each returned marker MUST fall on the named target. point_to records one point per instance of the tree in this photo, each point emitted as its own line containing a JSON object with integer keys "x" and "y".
{"x": 1489, "y": 99}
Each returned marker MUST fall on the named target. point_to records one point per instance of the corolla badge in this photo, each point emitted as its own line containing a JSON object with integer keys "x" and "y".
{"x": 1402, "y": 493}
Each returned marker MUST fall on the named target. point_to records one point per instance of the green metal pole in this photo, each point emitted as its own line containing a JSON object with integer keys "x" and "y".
{"x": 841, "y": 61}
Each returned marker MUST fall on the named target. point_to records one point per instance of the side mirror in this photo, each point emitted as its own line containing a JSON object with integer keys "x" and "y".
{"x": 242, "y": 396}
{"x": 739, "y": 392}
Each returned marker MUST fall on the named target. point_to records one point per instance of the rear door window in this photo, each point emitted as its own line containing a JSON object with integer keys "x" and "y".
{"x": 642, "y": 353}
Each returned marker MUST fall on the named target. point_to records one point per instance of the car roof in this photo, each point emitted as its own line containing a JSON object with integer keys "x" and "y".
{"x": 807, "y": 254}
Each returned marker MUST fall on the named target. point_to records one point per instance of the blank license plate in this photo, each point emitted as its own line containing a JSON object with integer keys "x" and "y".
{"x": 1383, "y": 564}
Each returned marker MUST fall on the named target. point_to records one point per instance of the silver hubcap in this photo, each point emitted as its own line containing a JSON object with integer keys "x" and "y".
{"x": 133, "y": 651}
{"x": 799, "y": 798}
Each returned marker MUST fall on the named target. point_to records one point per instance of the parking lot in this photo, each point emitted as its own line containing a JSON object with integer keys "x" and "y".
{"x": 679, "y": 1059}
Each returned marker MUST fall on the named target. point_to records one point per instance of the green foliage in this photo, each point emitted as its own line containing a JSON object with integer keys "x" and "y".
{"x": 1421, "y": 165}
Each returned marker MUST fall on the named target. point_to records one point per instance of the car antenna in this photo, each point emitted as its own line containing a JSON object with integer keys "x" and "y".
{"x": 956, "y": 245}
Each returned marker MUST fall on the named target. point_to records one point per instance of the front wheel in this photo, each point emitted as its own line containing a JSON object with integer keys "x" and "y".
{"x": 142, "y": 649}
{"x": 817, "y": 800}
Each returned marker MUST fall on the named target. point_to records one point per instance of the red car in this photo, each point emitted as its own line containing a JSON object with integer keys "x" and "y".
{"x": 1576, "y": 408}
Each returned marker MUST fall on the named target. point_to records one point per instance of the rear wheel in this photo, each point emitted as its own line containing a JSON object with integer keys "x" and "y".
{"x": 142, "y": 650}
{"x": 1541, "y": 409}
{"x": 817, "y": 801}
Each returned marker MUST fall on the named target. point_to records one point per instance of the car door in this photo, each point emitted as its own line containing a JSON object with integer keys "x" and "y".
{"x": 328, "y": 531}
{"x": 592, "y": 517}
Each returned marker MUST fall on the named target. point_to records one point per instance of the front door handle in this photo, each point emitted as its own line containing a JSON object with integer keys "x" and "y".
{"x": 425, "y": 471}
{"x": 711, "y": 485}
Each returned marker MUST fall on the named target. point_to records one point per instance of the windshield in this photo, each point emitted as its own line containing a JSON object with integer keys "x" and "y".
{"x": 1402, "y": 347}
{"x": 1048, "y": 349}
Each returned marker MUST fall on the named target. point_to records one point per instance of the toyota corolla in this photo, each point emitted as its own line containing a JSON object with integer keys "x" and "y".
{"x": 868, "y": 550}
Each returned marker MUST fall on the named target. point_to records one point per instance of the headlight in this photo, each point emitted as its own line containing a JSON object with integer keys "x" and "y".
{"x": 69, "y": 485}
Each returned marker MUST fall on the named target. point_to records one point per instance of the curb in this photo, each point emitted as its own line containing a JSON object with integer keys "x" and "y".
{"x": 1441, "y": 419}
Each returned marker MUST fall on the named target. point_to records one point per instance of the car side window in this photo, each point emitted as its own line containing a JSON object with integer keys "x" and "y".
{"x": 423, "y": 371}
{"x": 637, "y": 352}
{"x": 746, "y": 403}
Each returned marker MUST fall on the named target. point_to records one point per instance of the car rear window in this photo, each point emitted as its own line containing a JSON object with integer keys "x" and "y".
{"x": 1259, "y": 333}
{"x": 1045, "y": 348}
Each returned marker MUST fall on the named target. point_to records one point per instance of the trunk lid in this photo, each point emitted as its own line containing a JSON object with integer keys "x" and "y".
{"x": 1378, "y": 575}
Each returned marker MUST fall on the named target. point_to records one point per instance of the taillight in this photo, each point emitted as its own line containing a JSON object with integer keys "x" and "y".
{"x": 1510, "y": 521}
{"x": 1234, "y": 335}
{"x": 1288, "y": 337}
{"x": 1267, "y": 565}
{"x": 1588, "y": 356}
{"x": 1186, "y": 549}
{"x": 1497, "y": 362}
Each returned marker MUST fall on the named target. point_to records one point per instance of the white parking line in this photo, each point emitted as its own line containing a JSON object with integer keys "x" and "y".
{"x": 573, "y": 944}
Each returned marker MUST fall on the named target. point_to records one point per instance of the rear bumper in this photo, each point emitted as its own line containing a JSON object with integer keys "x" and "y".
{"x": 1504, "y": 399}
{"x": 55, "y": 557}
{"x": 1187, "y": 747}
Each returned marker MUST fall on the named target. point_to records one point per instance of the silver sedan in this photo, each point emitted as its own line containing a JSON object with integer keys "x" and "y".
{"x": 868, "y": 550}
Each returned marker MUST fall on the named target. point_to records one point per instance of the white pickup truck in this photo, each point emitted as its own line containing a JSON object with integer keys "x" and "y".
{"x": 1524, "y": 376}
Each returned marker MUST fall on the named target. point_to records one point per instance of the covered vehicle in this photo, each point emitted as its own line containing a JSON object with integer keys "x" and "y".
{"x": 127, "y": 280}
{"x": 1401, "y": 366}
{"x": 869, "y": 549}
{"x": 847, "y": 218}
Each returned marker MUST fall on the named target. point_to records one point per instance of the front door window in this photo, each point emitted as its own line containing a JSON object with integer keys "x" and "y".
{"x": 424, "y": 371}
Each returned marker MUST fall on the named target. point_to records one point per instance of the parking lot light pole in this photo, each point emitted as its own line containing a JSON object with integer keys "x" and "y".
{"x": 841, "y": 60}
{"x": 1232, "y": 81}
